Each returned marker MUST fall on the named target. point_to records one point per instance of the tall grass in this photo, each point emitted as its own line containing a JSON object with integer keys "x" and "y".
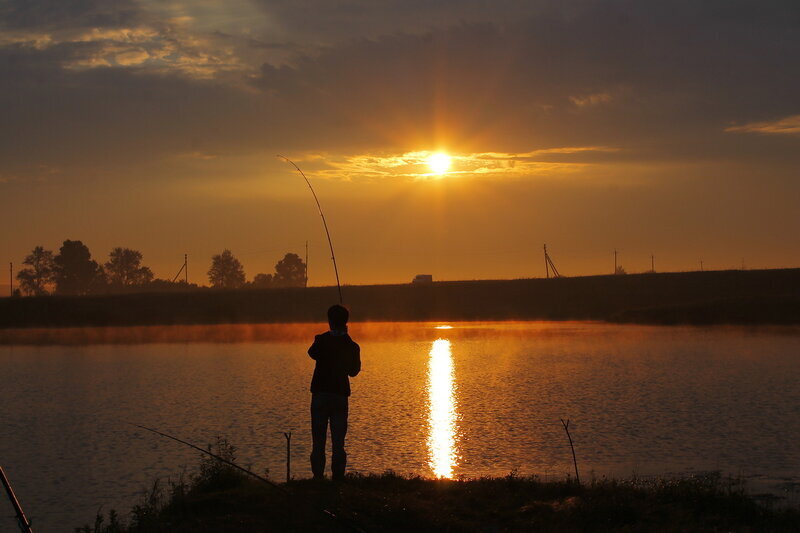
{"x": 218, "y": 498}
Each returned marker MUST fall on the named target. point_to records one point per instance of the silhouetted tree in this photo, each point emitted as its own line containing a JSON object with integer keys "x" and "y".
{"x": 226, "y": 271}
{"x": 290, "y": 272}
{"x": 124, "y": 268}
{"x": 36, "y": 279}
{"x": 262, "y": 281}
{"x": 620, "y": 270}
{"x": 76, "y": 272}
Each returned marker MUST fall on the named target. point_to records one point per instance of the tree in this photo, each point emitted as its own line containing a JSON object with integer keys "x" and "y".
{"x": 620, "y": 271}
{"x": 262, "y": 281}
{"x": 36, "y": 280}
{"x": 226, "y": 271}
{"x": 75, "y": 271}
{"x": 290, "y": 272}
{"x": 124, "y": 268}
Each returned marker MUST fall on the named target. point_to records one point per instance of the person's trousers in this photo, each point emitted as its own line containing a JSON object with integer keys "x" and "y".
{"x": 328, "y": 407}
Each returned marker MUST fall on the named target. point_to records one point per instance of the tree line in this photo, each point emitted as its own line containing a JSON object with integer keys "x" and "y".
{"x": 72, "y": 271}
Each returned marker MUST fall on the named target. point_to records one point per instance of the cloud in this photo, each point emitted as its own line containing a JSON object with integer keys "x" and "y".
{"x": 590, "y": 100}
{"x": 785, "y": 126}
{"x": 414, "y": 165}
{"x": 132, "y": 57}
{"x": 74, "y": 13}
{"x": 166, "y": 49}
{"x": 120, "y": 34}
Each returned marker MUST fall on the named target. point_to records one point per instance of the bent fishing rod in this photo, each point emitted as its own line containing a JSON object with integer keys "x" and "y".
{"x": 344, "y": 521}
{"x": 22, "y": 520}
{"x": 324, "y": 223}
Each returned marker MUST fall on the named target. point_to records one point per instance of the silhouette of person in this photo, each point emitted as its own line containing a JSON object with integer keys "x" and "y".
{"x": 337, "y": 358}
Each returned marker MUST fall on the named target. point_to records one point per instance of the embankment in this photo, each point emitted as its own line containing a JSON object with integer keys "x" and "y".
{"x": 721, "y": 297}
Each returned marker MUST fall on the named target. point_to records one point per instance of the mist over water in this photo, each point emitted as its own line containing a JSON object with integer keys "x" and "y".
{"x": 474, "y": 399}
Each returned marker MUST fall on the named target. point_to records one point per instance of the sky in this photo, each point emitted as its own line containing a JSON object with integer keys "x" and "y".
{"x": 664, "y": 129}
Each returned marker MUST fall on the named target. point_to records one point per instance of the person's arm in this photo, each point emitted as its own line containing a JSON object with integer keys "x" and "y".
{"x": 316, "y": 349}
{"x": 355, "y": 361}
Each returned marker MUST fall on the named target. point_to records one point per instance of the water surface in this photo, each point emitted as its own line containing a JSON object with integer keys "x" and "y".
{"x": 469, "y": 399}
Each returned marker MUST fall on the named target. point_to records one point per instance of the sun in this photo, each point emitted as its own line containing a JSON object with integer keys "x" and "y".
{"x": 439, "y": 162}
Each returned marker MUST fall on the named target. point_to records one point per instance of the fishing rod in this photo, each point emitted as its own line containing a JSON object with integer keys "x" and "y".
{"x": 324, "y": 223}
{"x": 272, "y": 484}
{"x": 215, "y": 456}
{"x": 22, "y": 520}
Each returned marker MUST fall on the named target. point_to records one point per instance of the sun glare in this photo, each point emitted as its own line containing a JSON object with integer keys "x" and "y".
{"x": 442, "y": 455}
{"x": 439, "y": 163}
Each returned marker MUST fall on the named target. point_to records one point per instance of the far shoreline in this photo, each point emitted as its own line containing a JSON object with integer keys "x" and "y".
{"x": 732, "y": 297}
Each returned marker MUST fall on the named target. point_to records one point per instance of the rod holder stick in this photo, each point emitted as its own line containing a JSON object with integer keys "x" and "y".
{"x": 574, "y": 460}
{"x": 288, "y": 455}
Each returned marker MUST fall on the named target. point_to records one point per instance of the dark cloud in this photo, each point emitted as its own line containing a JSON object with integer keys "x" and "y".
{"x": 328, "y": 22}
{"x": 68, "y": 13}
{"x": 614, "y": 73}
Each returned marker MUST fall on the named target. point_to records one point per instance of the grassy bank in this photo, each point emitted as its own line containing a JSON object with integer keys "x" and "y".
{"x": 724, "y": 297}
{"x": 220, "y": 499}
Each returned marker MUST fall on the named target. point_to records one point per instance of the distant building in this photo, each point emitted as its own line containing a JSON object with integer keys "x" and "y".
{"x": 422, "y": 278}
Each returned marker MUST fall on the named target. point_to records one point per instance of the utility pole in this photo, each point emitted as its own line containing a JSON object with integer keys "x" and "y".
{"x": 701, "y": 265}
{"x": 546, "y": 266}
{"x": 184, "y": 269}
{"x": 305, "y": 275}
{"x": 11, "y": 278}
{"x": 615, "y": 260}
{"x": 549, "y": 265}
{"x": 652, "y": 263}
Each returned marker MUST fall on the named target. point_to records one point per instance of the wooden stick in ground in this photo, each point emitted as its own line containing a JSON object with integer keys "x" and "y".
{"x": 288, "y": 456}
{"x": 574, "y": 460}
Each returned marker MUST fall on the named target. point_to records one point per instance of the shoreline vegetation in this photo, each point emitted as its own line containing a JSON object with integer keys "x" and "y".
{"x": 700, "y": 298}
{"x": 220, "y": 499}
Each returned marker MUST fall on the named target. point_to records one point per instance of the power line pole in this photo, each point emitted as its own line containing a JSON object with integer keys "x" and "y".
{"x": 11, "y": 278}
{"x": 546, "y": 266}
{"x": 701, "y": 265}
{"x": 186, "y": 267}
{"x": 615, "y": 260}
{"x": 305, "y": 274}
{"x": 652, "y": 263}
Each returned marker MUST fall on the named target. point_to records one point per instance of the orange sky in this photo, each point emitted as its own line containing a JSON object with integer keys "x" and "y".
{"x": 587, "y": 125}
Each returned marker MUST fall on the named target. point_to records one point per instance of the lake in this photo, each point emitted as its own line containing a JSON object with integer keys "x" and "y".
{"x": 443, "y": 399}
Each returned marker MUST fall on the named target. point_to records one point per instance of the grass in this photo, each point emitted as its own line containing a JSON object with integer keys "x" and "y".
{"x": 222, "y": 500}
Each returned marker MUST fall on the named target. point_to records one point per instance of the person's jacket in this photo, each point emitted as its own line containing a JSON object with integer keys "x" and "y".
{"x": 337, "y": 357}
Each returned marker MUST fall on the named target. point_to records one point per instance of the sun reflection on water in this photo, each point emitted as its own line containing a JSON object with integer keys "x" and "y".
{"x": 442, "y": 455}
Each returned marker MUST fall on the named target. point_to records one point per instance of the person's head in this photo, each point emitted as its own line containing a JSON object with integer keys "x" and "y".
{"x": 338, "y": 316}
